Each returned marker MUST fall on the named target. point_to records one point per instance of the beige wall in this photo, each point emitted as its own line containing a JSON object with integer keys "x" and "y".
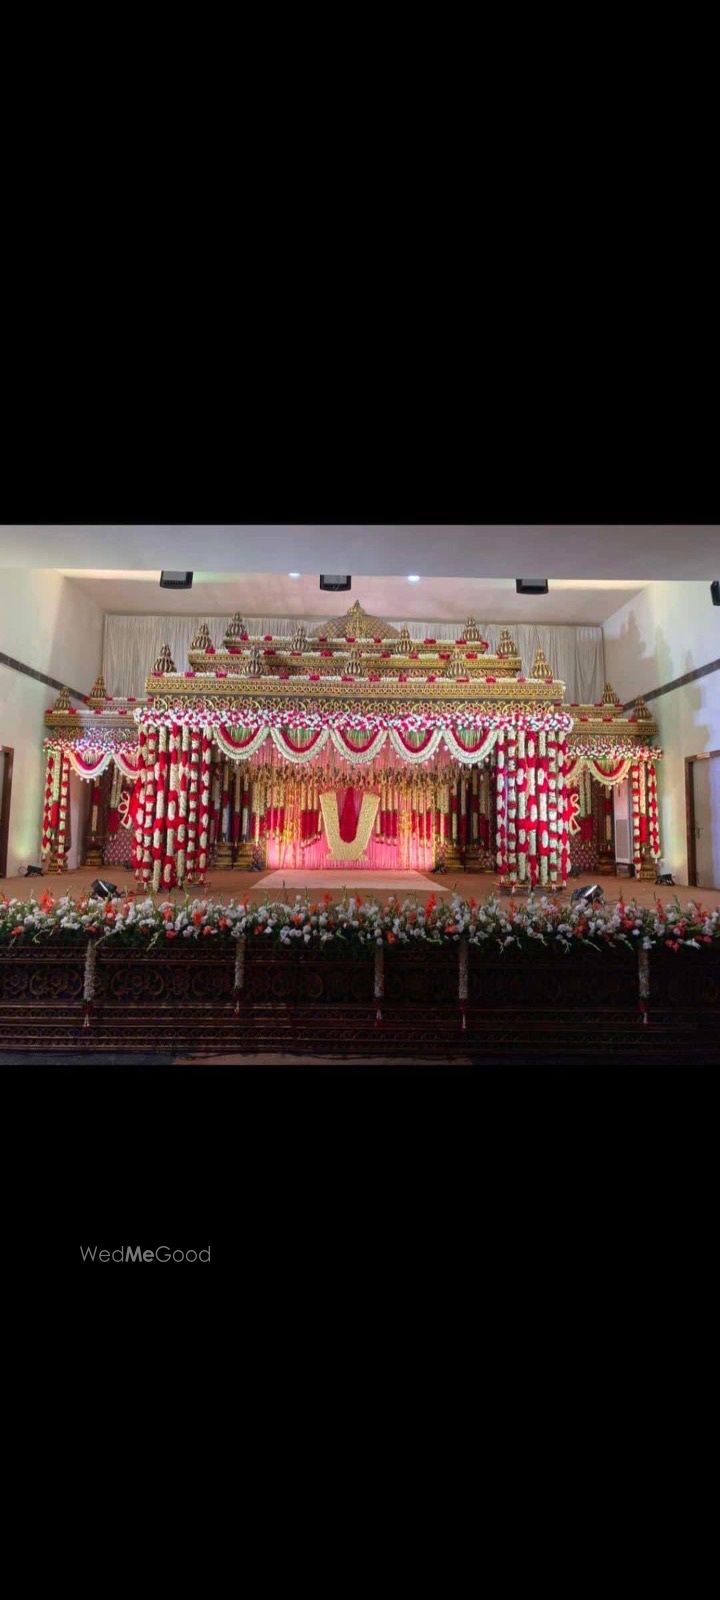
{"x": 667, "y": 630}
{"x": 47, "y": 623}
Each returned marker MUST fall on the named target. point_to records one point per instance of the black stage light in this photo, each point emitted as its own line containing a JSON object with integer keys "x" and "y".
{"x": 715, "y": 592}
{"x": 665, "y": 877}
{"x": 531, "y": 585}
{"x": 334, "y": 583}
{"x": 100, "y": 890}
{"x": 33, "y": 872}
{"x": 176, "y": 580}
{"x": 587, "y": 896}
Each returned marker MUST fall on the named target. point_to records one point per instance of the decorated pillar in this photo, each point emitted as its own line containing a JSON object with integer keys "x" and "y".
{"x": 183, "y": 784}
{"x": 146, "y": 870}
{"x": 216, "y": 783}
{"x": 139, "y": 830}
{"x": 500, "y": 806}
{"x": 95, "y": 834}
{"x": 61, "y": 838}
{"x": 531, "y": 739}
{"x": 642, "y": 855}
{"x": 511, "y": 801}
{"x": 565, "y": 810}
{"x": 223, "y": 841}
{"x": 169, "y": 871}
{"x": 563, "y": 816}
{"x": 50, "y": 806}
{"x": 653, "y": 812}
{"x": 204, "y": 801}
{"x": 159, "y": 821}
{"x": 553, "y": 856}
{"x": 521, "y": 798}
{"x": 193, "y": 803}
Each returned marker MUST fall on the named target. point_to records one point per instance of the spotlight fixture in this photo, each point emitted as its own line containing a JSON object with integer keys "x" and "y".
{"x": 531, "y": 585}
{"x": 413, "y": 577}
{"x": 33, "y": 872}
{"x": 101, "y": 890}
{"x": 587, "y": 896}
{"x": 715, "y": 592}
{"x": 328, "y": 582}
{"x": 176, "y": 580}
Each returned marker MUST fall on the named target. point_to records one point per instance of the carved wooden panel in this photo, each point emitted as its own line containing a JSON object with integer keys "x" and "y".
{"x": 181, "y": 1000}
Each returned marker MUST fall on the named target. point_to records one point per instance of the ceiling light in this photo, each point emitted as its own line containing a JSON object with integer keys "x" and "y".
{"x": 293, "y": 574}
{"x": 531, "y": 585}
{"x": 413, "y": 577}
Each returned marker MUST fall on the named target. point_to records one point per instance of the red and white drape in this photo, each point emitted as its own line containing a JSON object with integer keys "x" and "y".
{"x": 532, "y": 810}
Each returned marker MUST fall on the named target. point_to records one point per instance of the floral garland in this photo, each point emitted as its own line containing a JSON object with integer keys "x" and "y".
{"x": 353, "y": 921}
{"x": 254, "y": 717}
{"x": 64, "y": 775}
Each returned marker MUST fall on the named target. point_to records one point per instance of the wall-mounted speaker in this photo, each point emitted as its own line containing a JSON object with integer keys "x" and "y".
{"x": 176, "y": 580}
{"x": 334, "y": 583}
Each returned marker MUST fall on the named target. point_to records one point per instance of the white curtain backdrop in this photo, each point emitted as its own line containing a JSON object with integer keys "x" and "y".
{"x": 132, "y": 643}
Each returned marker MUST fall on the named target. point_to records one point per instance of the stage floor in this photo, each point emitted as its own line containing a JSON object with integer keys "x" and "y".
{"x": 228, "y": 885}
{"x": 335, "y": 881}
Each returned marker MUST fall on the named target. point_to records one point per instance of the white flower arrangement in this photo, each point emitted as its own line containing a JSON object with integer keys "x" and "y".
{"x": 357, "y": 923}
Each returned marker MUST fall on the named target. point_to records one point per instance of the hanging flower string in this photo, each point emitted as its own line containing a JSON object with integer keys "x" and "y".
{"x": 379, "y": 980}
{"x": 239, "y": 978}
{"x": 643, "y": 980}
{"x": 463, "y": 978}
{"x": 89, "y": 980}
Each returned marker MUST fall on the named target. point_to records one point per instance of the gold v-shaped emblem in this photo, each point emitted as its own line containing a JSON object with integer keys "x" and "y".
{"x": 340, "y": 850}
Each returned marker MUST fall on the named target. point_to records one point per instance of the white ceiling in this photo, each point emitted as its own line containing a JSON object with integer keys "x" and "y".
{"x": 277, "y": 595}
{"x": 634, "y": 553}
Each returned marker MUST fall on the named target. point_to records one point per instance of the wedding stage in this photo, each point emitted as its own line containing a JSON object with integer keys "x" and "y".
{"x": 308, "y": 787}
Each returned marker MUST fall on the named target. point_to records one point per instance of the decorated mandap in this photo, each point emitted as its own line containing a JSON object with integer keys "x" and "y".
{"x": 353, "y": 745}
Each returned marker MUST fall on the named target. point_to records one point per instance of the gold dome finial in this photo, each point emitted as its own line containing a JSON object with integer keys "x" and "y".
{"x": 640, "y": 710}
{"x": 254, "y": 667}
{"x": 507, "y": 646}
{"x": 404, "y": 640}
{"x": 63, "y": 701}
{"x": 609, "y": 696}
{"x": 356, "y": 624}
{"x": 471, "y": 630}
{"x": 164, "y": 661}
{"x": 354, "y": 668}
{"x": 299, "y": 638}
{"x": 540, "y": 667}
{"x": 202, "y": 638}
{"x": 455, "y": 667}
{"x": 98, "y": 691}
{"x": 234, "y": 629}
